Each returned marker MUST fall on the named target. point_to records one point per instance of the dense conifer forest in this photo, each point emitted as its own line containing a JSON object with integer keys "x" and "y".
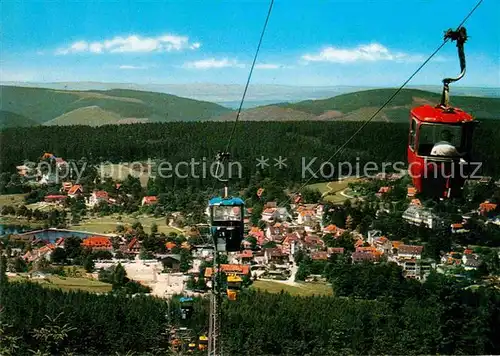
{"x": 176, "y": 142}
{"x": 393, "y": 316}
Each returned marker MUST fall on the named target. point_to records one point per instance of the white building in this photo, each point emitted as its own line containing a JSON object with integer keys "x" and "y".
{"x": 417, "y": 215}
{"x": 97, "y": 197}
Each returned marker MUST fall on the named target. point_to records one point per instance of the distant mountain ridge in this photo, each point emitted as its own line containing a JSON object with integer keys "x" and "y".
{"x": 229, "y": 95}
{"x": 21, "y": 106}
{"x": 361, "y": 105}
{"x": 42, "y": 105}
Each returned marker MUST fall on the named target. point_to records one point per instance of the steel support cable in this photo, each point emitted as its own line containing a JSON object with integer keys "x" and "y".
{"x": 386, "y": 102}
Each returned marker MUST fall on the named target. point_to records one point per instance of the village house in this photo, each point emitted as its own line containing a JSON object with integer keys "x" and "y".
{"x": 358, "y": 257}
{"x": 149, "y": 200}
{"x": 245, "y": 256}
{"x": 383, "y": 191}
{"x": 289, "y": 244}
{"x": 487, "y": 208}
{"x": 274, "y": 214}
{"x": 410, "y": 251}
{"x": 335, "y": 251}
{"x": 312, "y": 243}
{"x": 55, "y": 199}
{"x": 306, "y": 216}
{"x": 276, "y": 229}
{"x": 97, "y": 243}
{"x": 319, "y": 256}
{"x": 171, "y": 262}
{"x": 412, "y": 191}
{"x": 320, "y": 211}
{"x": 452, "y": 258}
{"x": 471, "y": 261}
{"x": 42, "y": 252}
{"x": 258, "y": 234}
{"x": 416, "y": 269}
{"x": 458, "y": 228}
{"x": 417, "y": 215}
{"x": 383, "y": 244}
{"x": 333, "y": 230}
{"x": 416, "y": 202}
{"x": 97, "y": 197}
{"x": 371, "y": 250}
{"x": 372, "y": 235}
{"x": 275, "y": 256}
{"x": 75, "y": 191}
{"x": 239, "y": 270}
{"x": 278, "y": 239}
{"x": 133, "y": 247}
{"x": 65, "y": 187}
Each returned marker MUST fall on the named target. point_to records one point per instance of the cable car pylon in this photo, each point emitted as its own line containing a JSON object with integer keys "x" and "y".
{"x": 226, "y": 223}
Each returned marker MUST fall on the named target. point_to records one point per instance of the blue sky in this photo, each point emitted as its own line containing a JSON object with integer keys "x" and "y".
{"x": 307, "y": 42}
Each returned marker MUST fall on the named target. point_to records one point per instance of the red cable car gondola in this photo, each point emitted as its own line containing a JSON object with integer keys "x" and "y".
{"x": 440, "y": 140}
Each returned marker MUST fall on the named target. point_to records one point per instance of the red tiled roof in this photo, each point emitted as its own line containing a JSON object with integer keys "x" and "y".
{"x": 468, "y": 251}
{"x": 410, "y": 249}
{"x": 335, "y": 250}
{"x": 366, "y": 249}
{"x": 384, "y": 189}
{"x": 416, "y": 202}
{"x": 457, "y": 226}
{"x": 97, "y": 241}
{"x": 75, "y": 188}
{"x": 150, "y": 199}
{"x": 245, "y": 254}
{"x": 331, "y": 228}
{"x": 320, "y": 255}
{"x": 229, "y": 268}
{"x": 269, "y": 211}
{"x": 307, "y": 213}
{"x": 397, "y": 244}
{"x": 55, "y": 197}
{"x": 381, "y": 240}
{"x": 132, "y": 243}
{"x": 170, "y": 245}
{"x": 487, "y": 206}
{"x": 101, "y": 194}
{"x": 363, "y": 256}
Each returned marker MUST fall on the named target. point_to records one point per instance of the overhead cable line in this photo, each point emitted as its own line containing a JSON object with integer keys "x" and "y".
{"x": 446, "y": 39}
{"x": 233, "y": 130}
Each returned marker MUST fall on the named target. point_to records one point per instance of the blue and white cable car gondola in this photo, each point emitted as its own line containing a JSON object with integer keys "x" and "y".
{"x": 227, "y": 223}
{"x": 186, "y": 307}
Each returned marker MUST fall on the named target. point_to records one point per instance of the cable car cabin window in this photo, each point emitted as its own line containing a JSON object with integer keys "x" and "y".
{"x": 226, "y": 213}
{"x": 413, "y": 133}
{"x": 440, "y": 140}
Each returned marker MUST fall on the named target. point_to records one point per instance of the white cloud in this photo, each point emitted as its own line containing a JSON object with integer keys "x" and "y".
{"x": 195, "y": 45}
{"x": 213, "y": 63}
{"x": 126, "y": 66}
{"x": 371, "y": 52}
{"x": 267, "y": 66}
{"x": 272, "y": 66}
{"x": 132, "y": 44}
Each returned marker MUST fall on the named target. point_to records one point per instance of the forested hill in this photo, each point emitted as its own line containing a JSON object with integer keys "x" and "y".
{"x": 98, "y": 107}
{"x": 30, "y": 106}
{"x": 362, "y": 104}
